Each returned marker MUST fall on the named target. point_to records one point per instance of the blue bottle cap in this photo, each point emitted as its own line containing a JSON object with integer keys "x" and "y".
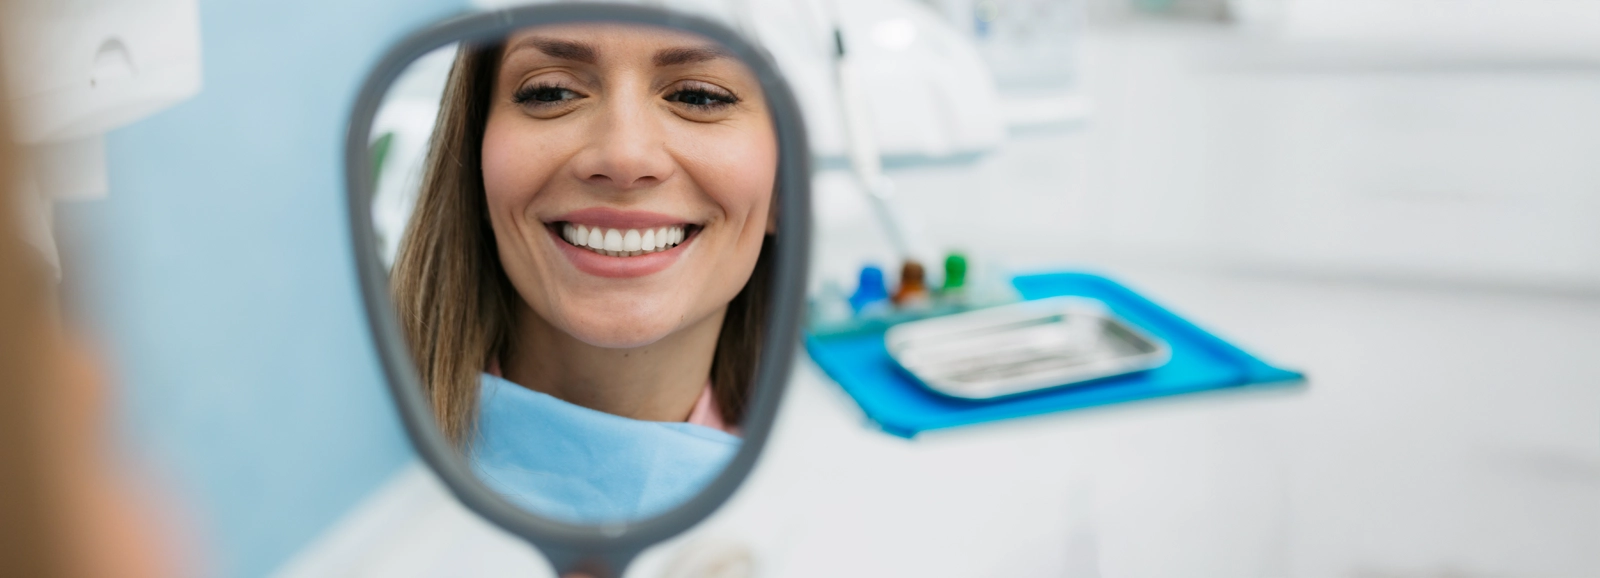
{"x": 870, "y": 289}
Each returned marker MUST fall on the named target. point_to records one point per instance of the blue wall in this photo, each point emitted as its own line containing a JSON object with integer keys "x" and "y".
{"x": 219, "y": 272}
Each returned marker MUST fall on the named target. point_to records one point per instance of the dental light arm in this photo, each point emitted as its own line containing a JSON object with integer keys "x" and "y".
{"x": 865, "y": 158}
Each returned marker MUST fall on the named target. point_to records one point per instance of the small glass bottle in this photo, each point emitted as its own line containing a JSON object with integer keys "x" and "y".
{"x": 871, "y": 294}
{"x": 913, "y": 292}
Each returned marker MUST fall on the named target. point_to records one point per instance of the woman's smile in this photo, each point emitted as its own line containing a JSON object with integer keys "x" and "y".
{"x": 614, "y": 243}
{"x": 623, "y": 243}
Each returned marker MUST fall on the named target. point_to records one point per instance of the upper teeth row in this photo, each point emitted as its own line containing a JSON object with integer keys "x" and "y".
{"x": 622, "y": 243}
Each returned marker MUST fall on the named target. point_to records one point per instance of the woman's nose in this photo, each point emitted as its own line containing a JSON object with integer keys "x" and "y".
{"x": 627, "y": 151}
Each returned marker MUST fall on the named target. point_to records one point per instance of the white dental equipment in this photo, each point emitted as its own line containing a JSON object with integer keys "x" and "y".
{"x": 77, "y": 70}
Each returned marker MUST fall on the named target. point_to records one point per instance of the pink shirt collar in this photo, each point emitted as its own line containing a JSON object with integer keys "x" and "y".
{"x": 707, "y": 413}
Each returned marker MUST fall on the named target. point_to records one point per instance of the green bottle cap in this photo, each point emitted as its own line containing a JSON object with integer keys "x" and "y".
{"x": 955, "y": 271}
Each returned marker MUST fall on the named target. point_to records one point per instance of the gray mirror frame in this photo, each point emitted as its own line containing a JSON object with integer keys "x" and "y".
{"x": 605, "y": 550}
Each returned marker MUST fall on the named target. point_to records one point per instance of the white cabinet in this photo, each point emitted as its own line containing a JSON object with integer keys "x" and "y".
{"x": 1344, "y": 160}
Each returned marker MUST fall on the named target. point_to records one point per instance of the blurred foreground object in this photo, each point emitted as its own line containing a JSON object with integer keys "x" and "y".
{"x": 65, "y": 508}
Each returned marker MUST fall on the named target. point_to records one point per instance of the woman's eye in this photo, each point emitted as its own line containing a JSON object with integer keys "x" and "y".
{"x": 543, "y": 95}
{"x": 701, "y": 98}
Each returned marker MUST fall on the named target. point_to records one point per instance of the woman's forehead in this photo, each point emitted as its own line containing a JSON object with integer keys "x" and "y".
{"x": 600, "y": 43}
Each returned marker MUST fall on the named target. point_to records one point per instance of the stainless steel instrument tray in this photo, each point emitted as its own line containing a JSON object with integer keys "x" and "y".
{"x": 1022, "y": 347}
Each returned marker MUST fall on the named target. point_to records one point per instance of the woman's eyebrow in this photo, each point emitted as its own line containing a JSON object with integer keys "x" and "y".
{"x": 563, "y": 49}
{"x": 689, "y": 55}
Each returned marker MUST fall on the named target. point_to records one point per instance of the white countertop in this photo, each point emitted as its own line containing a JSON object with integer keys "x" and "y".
{"x": 1442, "y": 434}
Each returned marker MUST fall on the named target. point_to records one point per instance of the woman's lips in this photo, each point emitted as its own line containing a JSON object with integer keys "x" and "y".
{"x": 619, "y": 263}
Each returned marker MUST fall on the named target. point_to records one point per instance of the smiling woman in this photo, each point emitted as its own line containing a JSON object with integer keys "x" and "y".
{"x": 583, "y": 281}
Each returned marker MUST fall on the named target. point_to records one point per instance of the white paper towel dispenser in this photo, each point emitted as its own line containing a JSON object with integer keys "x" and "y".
{"x": 76, "y": 69}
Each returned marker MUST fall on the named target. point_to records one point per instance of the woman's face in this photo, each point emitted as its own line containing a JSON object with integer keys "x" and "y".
{"x": 629, "y": 173}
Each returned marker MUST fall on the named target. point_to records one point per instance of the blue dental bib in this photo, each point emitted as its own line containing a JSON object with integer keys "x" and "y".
{"x": 579, "y": 465}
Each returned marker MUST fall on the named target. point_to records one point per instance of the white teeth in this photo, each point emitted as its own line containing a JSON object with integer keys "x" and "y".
{"x": 620, "y": 242}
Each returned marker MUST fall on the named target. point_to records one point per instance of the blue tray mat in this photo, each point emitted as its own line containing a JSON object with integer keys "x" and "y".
{"x": 903, "y": 407}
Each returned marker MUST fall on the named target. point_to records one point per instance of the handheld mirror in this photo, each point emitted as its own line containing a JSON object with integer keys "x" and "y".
{"x": 581, "y": 232}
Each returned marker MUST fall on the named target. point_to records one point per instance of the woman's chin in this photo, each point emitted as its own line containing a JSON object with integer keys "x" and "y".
{"x": 612, "y": 334}
{"x": 623, "y": 318}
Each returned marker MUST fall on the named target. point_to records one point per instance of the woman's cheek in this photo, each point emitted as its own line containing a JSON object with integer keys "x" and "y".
{"x": 517, "y": 159}
{"x": 748, "y": 175}
{"x": 496, "y": 165}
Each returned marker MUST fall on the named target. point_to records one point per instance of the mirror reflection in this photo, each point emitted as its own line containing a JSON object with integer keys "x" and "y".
{"x": 578, "y": 222}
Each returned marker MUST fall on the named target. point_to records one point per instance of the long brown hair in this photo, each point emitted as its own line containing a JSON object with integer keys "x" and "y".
{"x": 455, "y": 302}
